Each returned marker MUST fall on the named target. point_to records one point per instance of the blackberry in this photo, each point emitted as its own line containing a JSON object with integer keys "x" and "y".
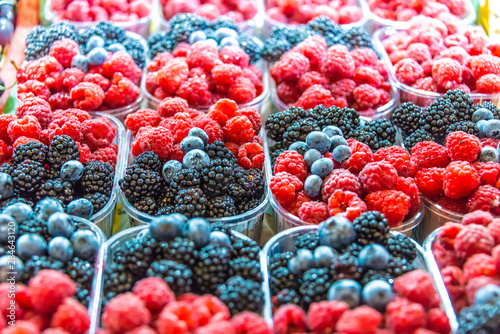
{"x": 81, "y": 272}
{"x": 287, "y": 296}
{"x": 400, "y": 245}
{"x": 212, "y": 268}
{"x": 277, "y": 124}
{"x": 242, "y": 188}
{"x": 281, "y": 278}
{"x": 246, "y": 268}
{"x": 346, "y": 119}
{"x": 275, "y": 151}
{"x": 438, "y": 117}
{"x": 371, "y": 228}
{"x": 247, "y": 206}
{"x": 346, "y": 266}
{"x": 62, "y": 149}
{"x": 138, "y": 254}
{"x": 479, "y": 319}
{"x": 35, "y": 43}
{"x": 180, "y": 33}
{"x": 461, "y": 102}
{"x": 193, "y": 20}
{"x": 168, "y": 196}
{"x": 191, "y": 203}
{"x": 398, "y": 266}
{"x": 165, "y": 45}
{"x": 366, "y": 137}
{"x": 280, "y": 260}
{"x": 310, "y": 241}
{"x": 138, "y": 183}
{"x": 257, "y": 177}
{"x": 217, "y": 150}
{"x": 293, "y": 34}
{"x": 487, "y": 105}
{"x": 147, "y": 205}
{"x": 384, "y": 143}
{"x": 7, "y": 168}
{"x": 323, "y": 25}
{"x": 407, "y": 117}
{"x": 97, "y": 177}
{"x": 58, "y": 189}
{"x": 354, "y": 249}
{"x": 247, "y": 248}
{"x": 85, "y": 35}
{"x": 149, "y": 161}
{"x": 82, "y": 295}
{"x": 299, "y": 130}
{"x": 221, "y": 206}
{"x": 98, "y": 200}
{"x": 136, "y": 50}
{"x": 14, "y": 200}
{"x": 180, "y": 250}
{"x": 314, "y": 286}
{"x": 383, "y": 129}
{"x": 113, "y": 33}
{"x": 27, "y": 177}
{"x": 250, "y": 46}
{"x": 185, "y": 179}
{"x": 418, "y": 136}
{"x": 274, "y": 48}
{"x": 223, "y": 21}
{"x": 357, "y": 37}
{"x": 37, "y": 263}
{"x": 117, "y": 280}
{"x": 371, "y": 275}
{"x": 178, "y": 277}
{"x": 39, "y": 43}
{"x": 166, "y": 210}
{"x": 221, "y": 227}
{"x": 217, "y": 177}
{"x": 33, "y": 150}
{"x": 465, "y": 126}
{"x": 241, "y": 295}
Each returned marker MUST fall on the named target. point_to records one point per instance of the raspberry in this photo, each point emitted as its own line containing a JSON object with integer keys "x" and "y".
{"x": 417, "y": 287}
{"x": 250, "y": 323}
{"x": 27, "y": 126}
{"x": 489, "y": 172}
{"x": 408, "y": 71}
{"x": 315, "y": 95}
{"x": 211, "y": 127}
{"x": 116, "y": 316}
{"x": 284, "y": 186}
{"x": 488, "y": 84}
{"x": 178, "y": 126}
{"x": 293, "y": 163}
{"x": 427, "y": 84}
{"x": 314, "y": 49}
{"x": 154, "y": 292}
{"x": 177, "y": 153}
{"x": 478, "y": 265}
{"x": 158, "y": 140}
{"x": 323, "y": 316}
{"x": 486, "y": 198}
{"x": 484, "y": 64}
{"x": 33, "y": 88}
{"x": 60, "y": 101}
{"x": 65, "y": 115}
{"x": 22, "y": 327}
{"x": 210, "y": 309}
{"x": 477, "y": 217}
{"x": 142, "y": 330}
{"x": 226, "y": 74}
{"x": 377, "y": 176}
{"x": 473, "y": 239}
{"x": 362, "y": 319}
{"x": 448, "y": 233}
{"x": 290, "y": 67}
{"x": 489, "y": 142}
{"x": 447, "y": 72}
{"x": 39, "y": 69}
{"x": 122, "y": 92}
{"x": 202, "y": 54}
{"x": 87, "y": 96}
{"x": 307, "y": 80}
{"x": 404, "y": 316}
{"x": 361, "y": 155}
{"x": 408, "y": 186}
{"x": 254, "y": 117}
{"x": 5, "y": 152}
{"x": 242, "y": 91}
{"x": 140, "y": 118}
{"x": 343, "y": 88}
{"x": 255, "y": 78}
{"x": 223, "y": 110}
{"x": 58, "y": 331}
{"x": 106, "y": 154}
{"x": 428, "y": 154}
{"x": 234, "y": 55}
{"x": 399, "y": 158}
{"x": 122, "y": 62}
{"x": 5, "y": 120}
{"x": 454, "y": 280}
{"x": 364, "y": 56}
{"x": 368, "y": 75}
{"x": 97, "y": 79}
{"x": 171, "y": 106}
{"x": 72, "y": 317}
{"x": 297, "y": 202}
{"x": 159, "y": 61}
{"x": 48, "y": 289}
{"x": 338, "y": 63}
{"x": 445, "y": 257}
{"x": 366, "y": 96}
{"x": 313, "y": 212}
{"x": 460, "y": 179}
{"x": 496, "y": 255}
{"x": 37, "y": 107}
{"x": 233, "y": 147}
{"x": 70, "y": 127}
{"x": 178, "y": 317}
{"x": 251, "y": 155}
{"x": 195, "y": 91}
{"x": 98, "y": 132}
{"x": 430, "y": 181}
{"x": 68, "y": 79}
{"x": 494, "y": 228}
{"x": 239, "y": 129}
{"x": 289, "y": 318}
{"x": 395, "y": 205}
{"x": 477, "y": 283}
{"x": 463, "y": 146}
{"x": 171, "y": 75}
{"x": 419, "y": 52}
{"x": 346, "y": 203}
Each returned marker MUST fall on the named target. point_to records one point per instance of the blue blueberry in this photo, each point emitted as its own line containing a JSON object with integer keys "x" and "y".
{"x": 115, "y": 47}
{"x": 85, "y": 244}
{"x": 81, "y": 62}
{"x": 46, "y": 207}
{"x": 299, "y": 146}
{"x": 377, "y": 294}
{"x": 482, "y": 114}
{"x": 331, "y": 131}
{"x": 311, "y": 156}
{"x": 6, "y": 31}
{"x": 324, "y": 256}
{"x": 338, "y": 141}
{"x": 6, "y": 270}
{"x": 302, "y": 261}
{"x": 72, "y": 171}
{"x": 345, "y": 290}
{"x": 97, "y": 56}
{"x": 19, "y": 211}
{"x": 8, "y": 226}
{"x": 480, "y": 126}
{"x": 196, "y": 159}
{"x": 61, "y": 224}
{"x": 336, "y": 232}
{"x": 225, "y": 32}
{"x": 220, "y": 239}
{"x": 95, "y": 42}
{"x": 322, "y": 167}
{"x": 492, "y": 129}
{"x": 488, "y": 294}
{"x": 197, "y": 132}
{"x": 170, "y": 168}
{"x": 6, "y": 11}
{"x": 319, "y": 140}
{"x": 29, "y": 245}
{"x": 487, "y": 154}
{"x": 191, "y": 143}
{"x": 374, "y": 256}
{"x": 198, "y": 231}
{"x": 179, "y": 217}
{"x": 228, "y": 41}
{"x": 341, "y": 153}
{"x": 197, "y": 36}
{"x": 166, "y": 228}
{"x": 212, "y": 42}
{"x": 312, "y": 186}
{"x": 60, "y": 249}
{"x": 80, "y": 207}
{"x": 6, "y": 186}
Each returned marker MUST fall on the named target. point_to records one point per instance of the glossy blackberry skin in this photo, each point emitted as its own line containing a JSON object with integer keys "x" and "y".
{"x": 323, "y": 25}
{"x": 221, "y": 206}
{"x": 371, "y": 228}
{"x": 401, "y": 246}
{"x": 81, "y": 272}
{"x": 246, "y": 268}
{"x": 479, "y": 319}
{"x": 310, "y": 241}
{"x": 299, "y": 130}
{"x": 241, "y": 295}
{"x": 418, "y": 136}
{"x": 222, "y": 227}
{"x": 280, "y": 260}
{"x": 398, "y": 266}
{"x": 138, "y": 254}
{"x": 244, "y": 248}
{"x": 98, "y": 200}
{"x": 371, "y": 275}
{"x": 62, "y": 149}
{"x": 438, "y": 117}
{"x": 383, "y": 129}
{"x": 117, "y": 280}
{"x": 211, "y": 268}
{"x": 147, "y": 205}
{"x": 465, "y": 126}
{"x": 136, "y": 50}
{"x": 148, "y": 160}
{"x": 346, "y": 119}
{"x": 223, "y": 21}
{"x": 275, "y": 151}
{"x": 252, "y": 48}
{"x": 37, "y": 263}
{"x": 15, "y": 199}
{"x": 217, "y": 150}
{"x": 217, "y": 177}
{"x": 314, "y": 286}
{"x": 185, "y": 179}
{"x": 281, "y": 278}
{"x": 7, "y": 168}
{"x": 33, "y": 150}
{"x": 166, "y": 210}
{"x": 180, "y": 250}
{"x": 407, "y": 117}
{"x": 191, "y": 203}
{"x": 242, "y": 188}
{"x": 58, "y": 189}
{"x": 287, "y": 296}
{"x": 178, "y": 277}
{"x": 257, "y": 177}
{"x": 113, "y": 33}
{"x": 138, "y": 183}
{"x": 97, "y": 177}
{"x": 40, "y": 39}
{"x": 384, "y": 143}
{"x": 247, "y": 206}
{"x": 346, "y": 266}
{"x": 366, "y": 137}
{"x": 27, "y": 177}
{"x": 274, "y": 48}
{"x": 353, "y": 249}
{"x": 278, "y": 123}
{"x": 461, "y": 102}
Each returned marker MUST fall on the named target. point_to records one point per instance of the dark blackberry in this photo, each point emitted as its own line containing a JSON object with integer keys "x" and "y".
{"x": 299, "y": 130}
{"x": 407, "y": 117}
{"x": 246, "y": 268}
{"x": 346, "y": 119}
{"x": 281, "y": 278}
{"x": 178, "y": 277}
{"x": 166, "y": 210}
{"x": 217, "y": 150}
{"x": 98, "y": 200}
{"x": 438, "y": 117}
{"x": 366, "y": 137}
{"x": 138, "y": 254}
{"x": 383, "y": 129}
{"x": 117, "y": 280}
{"x": 418, "y": 136}
{"x": 81, "y": 272}
{"x": 487, "y": 105}
{"x": 250, "y": 46}
{"x": 247, "y": 206}
{"x": 85, "y": 35}
{"x": 223, "y": 21}
{"x": 62, "y": 149}
{"x": 310, "y": 241}
{"x": 371, "y": 228}
{"x": 398, "y": 266}
{"x": 241, "y": 295}
{"x": 354, "y": 249}
{"x": 274, "y": 48}
{"x": 217, "y": 177}
{"x": 97, "y": 178}
{"x": 346, "y": 266}
{"x": 221, "y": 227}
{"x": 257, "y": 177}
{"x": 113, "y": 33}
{"x": 82, "y": 295}
{"x": 58, "y": 189}
{"x": 244, "y": 248}
{"x": 323, "y": 25}
{"x": 242, "y": 188}
{"x": 168, "y": 196}
{"x": 138, "y": 183}
{"x": 147, "y": 205}
{"x": 32, "y": 150}
{"x": 287, "y": 296}
{"x": 465, "y": 126}
{"x": 37, "y": 263}
{"x": 193, "y": 20}
{"x": 191, "y": 203}
{"x": 165, "y": 45}
{"x": 221, "y": 206}
{"x": 277, "y": 124}
{"x": 39, "y": 43}
{"x": 212, "y": 268}
{"x": 479, "y": 319}
{"x": 180, "y": 250}
{"x": 7, "y": 168}
{"x": 280, "y": 260}
{"x": 293, "y": 34}
{"x": 136, "y": 50}
{"x": 461, "y": 102}
{"x": 371, "y": 275}
{"x": 180, "y": 33}
{"x": 157, "y": 38}
{"x": 275, "y": 151}
{"x": 384, "y": 143}
{"x": 357, "y": 37}
{"x": 14, "y": 200}
{"x": 314, "y": 286}
{"x": 185, "y": 179}
{"x": 400, "y": 245}
{"x": 148, "y": 160}
{"x": 27, "y": 177}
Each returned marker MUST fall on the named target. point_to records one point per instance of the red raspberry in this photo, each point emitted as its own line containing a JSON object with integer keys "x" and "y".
{"x": 323, "y": 316}
{"x": 430, "y": 181}
{"x": 181, "y": 50}
{"x": 408, "y": 186}
{"x": 399, "y": 158}
{"x": 496, "y": 256}
{"x": 154, "y": 292}
{"x": 447, "y": 72}
{"x": 234, "y": 55}
{"x": 171, "y": 75}
{"x": 419, "y": 52}
{"x": 455, "y": 205}
{"x": 239, "y": 129}
{"x": 4, "y": 124}
{"x": 429, "y": 154}
{"x": 489, "y": 142}
{"x": 361, "y": 155}
{"x": 404, "y": 316}
{"x": 297, "y": 202}
{"x": 473, "y": 239}
{"x": 210, "y": 309}
{"x": 427, "y": 84}
{"x": 159, "y": 61}
{"x": 484, "y": 64}
{"x": 485, "y": 198}
{"x": 97, "y": 79}
{"x": 346, "y": 203}
{"x": 255, "y": 78}
{"x": 454, "y": 280}
{"x": 293, "y": 163}
{"x": 343, "y": 88}
{"x": 225, "y": 74}
{"x": 211, "y": 127}
{"x": 39, "y": 69}
{"x": 223, "y": 110}
{"x": 106, "y": 154}
{"x": 284, "y": 186}
{"x": 349, "y": 14}
{"x": 478, "y": 265}
{"x": 122, "y": 92}
{"x": 315, "y": 95}
{"x": 309, "y": 79}
{"x": 72, "y": 317}
{"x": 463, "y": 146}
{"x": 448, "y": 233}
{"x": 408, "y": 71}
{"x": 437, "y": 321}
{"x": 195, "y": 91}
{"x": 58, "y": 331}
{"x": 68, "y": 79}
{"x": 22, "y": 140}
{"x": 142, "y": 330}
{"x": 364, "y": 56}
{"x": 27, "y": 126}
{"x": 460, "y": 179}
{"x": 5, "y": 152}
{"x": 202, "y": 54}
{"x": 289, "y": 318}
{"x": 87, "y": 96}
{"x": 65, "y": 115}
{"x": 313, "y": 48}
{"x": 250, "y": 323}
{"x": 494, "y": 228}
{"x": 177, "y": 153}
{"x": 313, "y": 212}
{"x": 60, "y": 101}
{"x": 178, "y": 317}
{"x": 171, "y": 106}
{"x": 179, "y": 126}
{"x": 48, "y": 290}
{"x": 477, "y": 217}
{"x": 251, "y": 155}
{"x": 98, "y": 132}
{"x": 37, "y": 107}
{"x": 122, "y": 62}
{"x": 158, "y": 140}
{"x": 362, "y": 319}
{"x": 242, "y": 91}
{"x": 338, "y": 63}
{"x": 477, "y": 283}
{"x": 290, "y": 67}
{"x": 366, "y": 96}
{"x": 488, "y": 84}
{"x": 116, "y": 316}
{"x": 287, "y": 92}
{"x": 395, "y": 205}
{"x": 254, "y": 117}
{"x": 368, "y": 75}
{"x": 377, "y": 176}
{"x": 445, "y": 257}
{"x": 140, "y": 118}
{"x": 33, "y": 88}
{"x": 489, "y": 172}
{"x": 417, "y": 287}
{"x": 22, "y": 327}
{"x": 70, "y": 127}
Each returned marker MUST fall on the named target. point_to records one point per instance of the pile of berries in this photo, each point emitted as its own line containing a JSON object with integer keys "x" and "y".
{"x": 47, "y": 238}
{"x": 435, "y": 56}
{"x": 404, "y": 11}
{"x": 198, "y": 164}
{"x": 468, "y": 255}
{"x": 311, "y": 74}
{"x": 191, "y": 257}
{"x": 89, "y": 11}
{"x": 300, "y": 12}
{"x": 212, "y": 10}
{"x": 353, "y": 278}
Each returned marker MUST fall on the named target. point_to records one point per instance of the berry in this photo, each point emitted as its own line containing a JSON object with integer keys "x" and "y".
{"x": 408, "y": 71}
{"x": 71, "y": 316}
{"x": 239, "y": 129}
{"x": 340, "y": 179}
{"x": 115, "y": 314}
{"x": 460, "y": 179}
{"x": 413, "y": 284}
{"x": 398, "y": 158}
{"x": 378, "y": 176}
{"x": 359, "y": 320}
{"x": 336, "y": 232}
{"x": 429, "y": 154}
{"x": 158, "y": 140}
{"x": 462, "y": 146}
{"x": 484, "y": 198}
{"x": 289, "y": 317}
{"x": 87, "y": 96}
{"x": 122, "y": 62}
{"x": 313, "y": 212}
{"x": 473, "y": 239}
{"x": 430, "y": 181}
{"x": 346, "y": 203}
{"x": 293, "y": 163}
{"x": 27, "y": 126}
{"x": 360, "y": 157}
{"x": 122, "y": 92}
{"x": 393, "y": 204}
{"x": 49, "y": 288}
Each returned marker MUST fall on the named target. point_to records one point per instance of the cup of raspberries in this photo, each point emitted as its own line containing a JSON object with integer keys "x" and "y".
{"x": 464, "y": 258}
{"x": 349, "y": 277}
{"x": 134, "y": 15}
{"x": 67, "y": 155}
{"x": 54, "y": 260}
{"x": 433, "y": 57}
{"x": 159, "y": 271}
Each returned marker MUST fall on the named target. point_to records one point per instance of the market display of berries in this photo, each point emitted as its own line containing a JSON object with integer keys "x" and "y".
{"x": 437, "y": 56}
{"x": 468, "y": 256}
{"x": 353, "y": 278}
{"x": 7, "y": 24}
{"x": 443, "y": 10}
{"x": 212, "y": 10}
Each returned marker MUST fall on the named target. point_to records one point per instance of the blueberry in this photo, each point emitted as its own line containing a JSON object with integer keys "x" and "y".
{"x": 220, "y": 239}
{"x": 6, "y": 270}
{"x": 46, "y": 207}
{"x": 331, "y": 131}
{"x": 115, "y": 47}
{"x": 80, "y": 207}
{"x": 299, "y": 146}
{"x": 311, "y": 156}
{"x": 94, "y": 42}
{"x": 6, "y": 11}
{"x": 61, "y": 224}
{"x": 197, "y": 132}
{"x": 211, "y": 42}
{"x": 60, "y": 249}
{"x": 198, "y": 231}
{"x": 301, "y": 262}
{"x": 377, "y": 294}
{"x": 322, "y": 167}
{"x": 166, "y": 228}
{"x": 29, "y": 245}
{"x": 19, "y": 211}
{"x": 341, "y": 153}
{"x": 72, "y": 171}
{"x": 225, "y": 32}
{"x": 345, "y": 290}
{"x": 197, "y": 36}
{"x": 97, "y": 56}
{"x": 312, "y": 186}
{"x": 488, "y": 294}
{"x": 338, "y": 141}
{"x": 482, "y": 114}
{"x": 170, "y": 168}
{"x": 324, "y": 256}
{"x": 492, "y": 129}
{"x": 85, "y": 244}
{"x": 191, "y": 143}
{"x": 228, "y": 41}
{"x": 319, "y": 140}
{"x": 6, "y": 31}
{"x": 6, "y": 186}
{"x": 81, "y": 62}
{"x": 196, "y": 159}
{"x": 487, "y": 154}
{"x": 8, "y": 226}
{"x": 374, "y": 256}
{"x": 480, "y": 126}
{"x": 336, "y": 232}
{"x": 179, "y": 217}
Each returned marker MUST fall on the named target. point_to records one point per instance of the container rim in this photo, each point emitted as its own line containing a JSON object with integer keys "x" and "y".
{"x": 436, "y": 208}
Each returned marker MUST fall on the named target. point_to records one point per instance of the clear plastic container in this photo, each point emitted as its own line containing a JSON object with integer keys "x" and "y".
{"x": 407, "y": 93}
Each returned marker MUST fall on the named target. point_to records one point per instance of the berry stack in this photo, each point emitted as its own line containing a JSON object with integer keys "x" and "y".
{"x": 351, "y": 278}
{"x": 468, "y": 256}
